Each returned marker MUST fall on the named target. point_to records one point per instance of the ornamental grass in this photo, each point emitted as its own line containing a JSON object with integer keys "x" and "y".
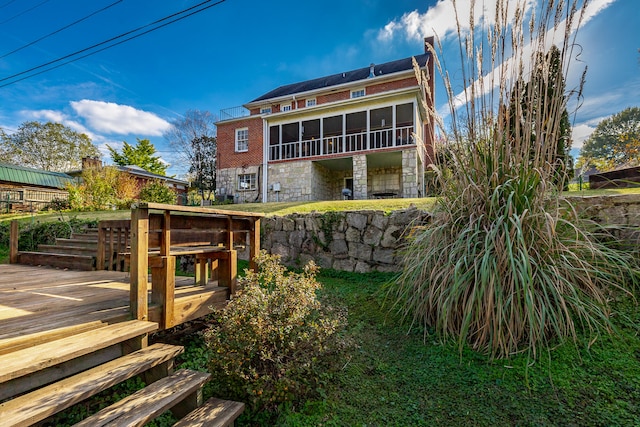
{"x": 507, "y": 265}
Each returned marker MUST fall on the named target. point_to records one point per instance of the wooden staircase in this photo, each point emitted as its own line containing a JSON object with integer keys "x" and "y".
{"x": 55, "y": 374}
{"x": 77, "y": 252}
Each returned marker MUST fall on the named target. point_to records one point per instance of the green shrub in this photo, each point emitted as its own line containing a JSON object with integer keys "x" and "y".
{"x": 275, "y": 343}
{"x": 157, "y": 192}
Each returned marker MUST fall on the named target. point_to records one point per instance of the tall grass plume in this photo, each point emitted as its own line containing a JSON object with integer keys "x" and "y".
{"x": 507, "y": 265}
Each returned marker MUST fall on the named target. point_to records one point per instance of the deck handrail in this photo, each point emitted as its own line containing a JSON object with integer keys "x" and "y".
{"x": 152, "y": 222}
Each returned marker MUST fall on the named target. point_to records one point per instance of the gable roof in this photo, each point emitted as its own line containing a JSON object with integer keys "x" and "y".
{"x": 396, "y": 66}
{"x": 29, "y": 176}
{"x": 138, "y": 171}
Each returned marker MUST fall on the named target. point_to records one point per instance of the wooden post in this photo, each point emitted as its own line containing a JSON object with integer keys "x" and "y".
{"x": 100, "y": 259}
{"x": 163, "y": 284}
{"x": 139, "y": 263}
{"x": 254, "y": 243}
{"x": 228, "y": 270}
{"x": 14, "y": 234}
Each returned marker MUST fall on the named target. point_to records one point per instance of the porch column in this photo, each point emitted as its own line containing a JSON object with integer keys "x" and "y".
{"x": 360, "y": 176}
{"x": 410, "y": 173}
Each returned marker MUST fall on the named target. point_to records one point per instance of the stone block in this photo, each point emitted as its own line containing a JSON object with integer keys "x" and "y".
{"x": 352, "y": 235}
{"x": 380, "y": 220}
{"x": 372, "y": 235}
{"x": 362, "y": 267}
{"x": 282, "y": 250}
{"x": 338, "y": 247}
{"x": 344, "y": 264}
{"x": 300, "y": 223}
{"x": 360, "y": 251}
{"x": 288, "y": 224}
{"x": 281, "y": 237}
{"x": 296, "y": 238}
{"x": 356, "y": 220}
{"x": 383, "y": 256}
{"x": 391, "y": 236}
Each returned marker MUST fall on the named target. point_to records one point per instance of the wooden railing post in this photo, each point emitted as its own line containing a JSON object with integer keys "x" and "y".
{"x": 254, "y": 243}
{"x": 139, "y": 263}
{"x": 14, "y": 234}
{"x": 100, "y": 259}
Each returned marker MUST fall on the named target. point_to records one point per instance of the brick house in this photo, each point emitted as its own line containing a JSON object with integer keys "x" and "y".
{"x": 311, "y": 140}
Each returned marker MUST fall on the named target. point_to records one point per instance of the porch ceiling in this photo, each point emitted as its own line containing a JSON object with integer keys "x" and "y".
{"x": 384, "y": 160}
{"x": 338, "y": 164}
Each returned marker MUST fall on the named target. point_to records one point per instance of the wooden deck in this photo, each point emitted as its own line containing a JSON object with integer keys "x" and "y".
{"x": 37, "y": 301}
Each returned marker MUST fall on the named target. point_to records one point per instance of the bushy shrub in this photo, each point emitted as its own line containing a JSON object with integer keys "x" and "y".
{"x": 276, "y": 342}
{"x": 157, "y": 192}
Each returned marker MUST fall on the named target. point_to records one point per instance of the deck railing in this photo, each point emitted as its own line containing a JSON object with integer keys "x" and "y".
{"x": 339, "y": 144}
{"x": 160, "y": 232}
{"x": 113, "y": 242}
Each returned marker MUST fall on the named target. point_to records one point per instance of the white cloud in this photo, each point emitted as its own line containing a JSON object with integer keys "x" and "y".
{"x": 440, "y": 20}
{"x": 58, "y": 117}
{"x": 119, "y": 119}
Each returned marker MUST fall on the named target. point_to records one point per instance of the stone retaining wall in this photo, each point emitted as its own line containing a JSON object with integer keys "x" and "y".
{"x": 360, "y": 241}
{"x": 365, "y": 241}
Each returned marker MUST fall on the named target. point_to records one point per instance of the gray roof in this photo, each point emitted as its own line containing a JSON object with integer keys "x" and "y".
{"x": 137, "y": 170}
{"x": 346, "y": 77}
{"x": 36, "y": 177}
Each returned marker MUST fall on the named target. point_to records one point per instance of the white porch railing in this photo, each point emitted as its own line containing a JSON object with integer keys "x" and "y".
{"x": 349, "y": 143}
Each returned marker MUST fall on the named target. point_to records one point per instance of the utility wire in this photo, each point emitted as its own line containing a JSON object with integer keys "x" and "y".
{"x": 22, "y": 13}
{"x": 110, "y": 40}
{"x": 7, "y": 4}
{"x": 60, "y": 29}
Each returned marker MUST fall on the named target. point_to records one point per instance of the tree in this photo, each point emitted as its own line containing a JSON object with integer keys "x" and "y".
{"x": 48, "y": 146}
{"x": 141, "y": 154}
{"x": 615, "y": 142}
{"x": 203, "y": 169}
{"x": 194, "y": 137}
{"x": 544, "y": 96}
{"x": 157, "y": 191}
{"x": 102, "y": 188}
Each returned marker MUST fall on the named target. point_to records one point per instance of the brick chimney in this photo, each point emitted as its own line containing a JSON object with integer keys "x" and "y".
{"x": 428, "y": 41}
{"x": 91, "y": 163}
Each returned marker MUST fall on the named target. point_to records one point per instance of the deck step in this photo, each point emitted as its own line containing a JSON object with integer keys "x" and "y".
{"x": 214, "y": 413}
{"x": 153, "y": 400}
{"x": 67, "y": 250}
{"x": 36, "y": 406}
{"x": 78, "y": 243}
{"x": 85, "y": 236}
{"x": 75, "y": 262}
{"x": 29, "y": 360}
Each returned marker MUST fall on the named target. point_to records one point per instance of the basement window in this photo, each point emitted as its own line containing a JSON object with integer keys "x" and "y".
{"x": 247, "y": 182}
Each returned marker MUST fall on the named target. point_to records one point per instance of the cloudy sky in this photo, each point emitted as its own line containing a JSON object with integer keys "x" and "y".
{"x": 137, "y": 71}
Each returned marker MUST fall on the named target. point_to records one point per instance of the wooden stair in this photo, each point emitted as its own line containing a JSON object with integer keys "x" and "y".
{"x": 75, "y": 253}
{"x": 68, "y": 365}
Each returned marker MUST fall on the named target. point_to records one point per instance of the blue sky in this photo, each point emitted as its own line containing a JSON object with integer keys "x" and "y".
{"x": 238, "y": 50}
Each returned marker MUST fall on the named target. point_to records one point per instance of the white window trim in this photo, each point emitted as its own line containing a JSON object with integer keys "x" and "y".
{"x": 237, "y": 140}
{"x": 311, "y": 102}
{"x": 355, "y": 93}
{"x": 251, "y": 181}
{"x": 265, "y": 110}
{"x": 285, "y": 107}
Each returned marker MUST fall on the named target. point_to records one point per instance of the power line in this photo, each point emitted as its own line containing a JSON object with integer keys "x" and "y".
{"x": 7, "y": 4}
{"x": 108, "y": 41}
{"x": 22, "y": 13}
{"x": 61, "y": 29}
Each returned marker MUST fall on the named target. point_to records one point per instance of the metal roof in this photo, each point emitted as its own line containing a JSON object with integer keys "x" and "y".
{"x": 346, "y": 77}
{"x": 22, "y": 175}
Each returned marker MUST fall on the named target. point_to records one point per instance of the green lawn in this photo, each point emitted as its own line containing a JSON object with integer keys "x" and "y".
{"x": 395, "y": 378}
{"x": 285, "y": 208}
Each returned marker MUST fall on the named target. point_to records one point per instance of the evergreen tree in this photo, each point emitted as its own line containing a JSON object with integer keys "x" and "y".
{"x": 141, "y": 154}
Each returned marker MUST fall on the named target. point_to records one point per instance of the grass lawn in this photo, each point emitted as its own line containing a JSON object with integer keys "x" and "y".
{"x": 395, "y": 378}
{"x": 285, "y": 208}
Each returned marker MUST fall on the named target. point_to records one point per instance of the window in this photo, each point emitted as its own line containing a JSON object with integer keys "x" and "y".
{"x": 357, "y": 93}
{"x": 247, "y": 182}
{"x": 242, "y": 139}
{"x": 265, "y": 110}
{"x": 311, "y": 102}
{"x": 285, "y": 107}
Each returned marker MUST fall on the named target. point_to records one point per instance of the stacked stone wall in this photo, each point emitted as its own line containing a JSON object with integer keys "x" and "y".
{"x": 360, "y": 241}
{"x": 365, "y": 241}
